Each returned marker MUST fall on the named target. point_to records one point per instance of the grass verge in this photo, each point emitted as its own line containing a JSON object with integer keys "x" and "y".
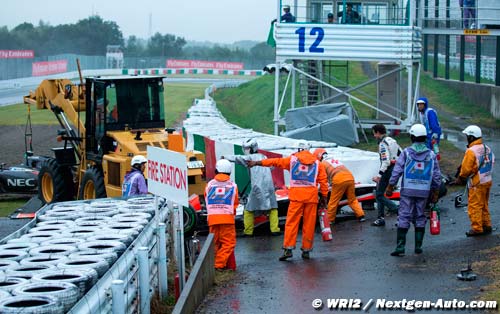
{"x": 7, "y": 207}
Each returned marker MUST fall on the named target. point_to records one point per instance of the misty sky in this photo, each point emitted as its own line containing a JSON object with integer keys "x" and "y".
{"x": 223, "y": 21}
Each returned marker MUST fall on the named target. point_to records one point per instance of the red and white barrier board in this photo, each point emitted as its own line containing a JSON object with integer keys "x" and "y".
{"x": 167, "y": 175}
{"x": 201, "y": 64}
{"x": 49, "y": 67}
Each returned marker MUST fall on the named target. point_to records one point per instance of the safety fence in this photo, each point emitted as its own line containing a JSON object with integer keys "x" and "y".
{"x": 72, "y": 244}
{"x": 191, "y": 71}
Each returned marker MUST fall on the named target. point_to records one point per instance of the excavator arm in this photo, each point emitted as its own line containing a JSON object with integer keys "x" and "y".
{"x": 66, "y": 101}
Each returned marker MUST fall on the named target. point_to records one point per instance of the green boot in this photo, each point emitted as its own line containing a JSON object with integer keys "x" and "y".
{"x": 401, "y": 242}
{"x": 419, "y": 238}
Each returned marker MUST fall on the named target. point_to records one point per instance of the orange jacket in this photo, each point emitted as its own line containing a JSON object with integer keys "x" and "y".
{"x": 302, "y": 194}
{"x": 223, "y": 219}
{"x": 337, "y": 175}
{"x": 470, "y": 165}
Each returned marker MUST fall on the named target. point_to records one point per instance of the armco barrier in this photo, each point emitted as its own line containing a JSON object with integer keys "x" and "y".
{"x": 200, "y": 280}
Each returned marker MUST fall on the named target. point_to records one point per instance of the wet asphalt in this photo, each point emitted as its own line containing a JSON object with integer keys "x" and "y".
{"x": 356, "y": 265}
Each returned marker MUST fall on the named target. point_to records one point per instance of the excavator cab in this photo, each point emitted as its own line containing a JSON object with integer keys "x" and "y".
{"x": 120, "y": 103}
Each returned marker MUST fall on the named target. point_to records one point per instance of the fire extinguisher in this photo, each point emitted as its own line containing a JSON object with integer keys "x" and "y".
{"x": 324, "y": 223}
{"x": 435, "y": 224}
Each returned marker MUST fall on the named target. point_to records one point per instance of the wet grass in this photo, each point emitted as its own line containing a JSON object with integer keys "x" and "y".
{"x": 7, "y": 207}
{"x": 489, "y": 268}
{"x": 178, "y": 97}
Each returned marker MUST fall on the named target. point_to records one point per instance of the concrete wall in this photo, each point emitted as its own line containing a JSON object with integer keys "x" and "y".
{"x": 200, "y": 280}
{"x": 484, "y": 96}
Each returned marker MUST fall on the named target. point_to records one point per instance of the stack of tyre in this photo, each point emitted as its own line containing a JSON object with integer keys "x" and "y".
{"x": 48, "y": 269}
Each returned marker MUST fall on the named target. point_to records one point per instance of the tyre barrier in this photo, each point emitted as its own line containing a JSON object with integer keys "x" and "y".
{"x": 98, "y": 264}
{"x": 38, "y": 237}
{"x": 4, "y": 294}
{"x": 103, "y": 246}
{"x": 31, "y": 305}
{"x": 56, "y": 222}
{"x": 145, "y": 216}
{"x": 43, "y": 260}
{"x": 7, "y": 263}
{"x": 10, "y": 283}
{"x": 109, "y": 257}
{"x": 66, "y": 292}
{"x": 98, "y": 220}
{"x": 125, "y": 238}
{"x": 51, "y": 229}
{"x": 83, "y": 278}
{"x": 13, "y": 255}
{"x": 22, "y": 246}
{"x": 54, "y": 249}
{"x": 27, "y": 271}
{"x": 65, "y": 239}
{"x": 81, "y": 232}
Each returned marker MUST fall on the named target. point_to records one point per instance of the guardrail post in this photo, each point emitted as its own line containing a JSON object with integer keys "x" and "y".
{"x": 162, "y": 261}
{"x": 142, "y": 254}
{"x": 118, "y": 296}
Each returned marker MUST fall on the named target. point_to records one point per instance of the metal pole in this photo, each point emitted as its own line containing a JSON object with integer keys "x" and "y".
{"x": 162, "y": 261}
{"x": 293, "y": 87}
{"x": 276, "y": 96}
{"x": 409, "y": 102}
{"x": 142, "y": 255}
{"x": 118, "y": 296}
{"x": 179, "y": 245}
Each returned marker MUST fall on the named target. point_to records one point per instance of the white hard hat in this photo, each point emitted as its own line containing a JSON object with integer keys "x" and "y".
{"x": 138, "y": 159}
{"x": 418, "y": 130}
{"x": 286, "y": 6}
{"x": 251, "y": 143}
{"x": 473, "y": 130}
{"x": 303, "y": 144}
{"x": 223, "y": 166}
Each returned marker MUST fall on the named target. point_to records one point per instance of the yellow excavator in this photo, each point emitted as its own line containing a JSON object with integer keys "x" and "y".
{"x": 105, "y": 122}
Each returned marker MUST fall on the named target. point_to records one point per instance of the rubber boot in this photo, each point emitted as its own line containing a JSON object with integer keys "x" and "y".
{"x": 419, "y": 238}
{"x": 401, "y": 242}
{"x": 287, "y": 253}
{"x": 248, "y": 223}
{"x": 274, "y": 222}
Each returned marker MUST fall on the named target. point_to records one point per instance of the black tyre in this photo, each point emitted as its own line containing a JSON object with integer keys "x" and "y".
{"x": 55, "y": 182}
{"x": 92, "y": 185}
{"x": 190, "y": 220}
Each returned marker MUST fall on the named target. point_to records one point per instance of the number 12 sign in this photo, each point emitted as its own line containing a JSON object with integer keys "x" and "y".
{"x": 319, "y": 34}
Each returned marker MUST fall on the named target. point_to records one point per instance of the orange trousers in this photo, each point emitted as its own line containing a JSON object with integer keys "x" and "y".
{"x": 336, "y": 194}
{"x": 224, "y": 243}
{"x": 478, "y": 211}
{"x": 296, "y": 210}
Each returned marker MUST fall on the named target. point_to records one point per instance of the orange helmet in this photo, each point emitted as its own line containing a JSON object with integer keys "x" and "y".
{"x": 319, "y": 152}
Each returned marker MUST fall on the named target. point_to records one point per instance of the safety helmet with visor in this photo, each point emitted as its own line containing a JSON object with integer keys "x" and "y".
{"x": 302, "y": 145}
{"x": 138, "y": 160}
{"x": 473, "y": 130}
{"x": 223, "y": 166}
{"x": 418, "y": 130}
{"x": 250, "y": 146}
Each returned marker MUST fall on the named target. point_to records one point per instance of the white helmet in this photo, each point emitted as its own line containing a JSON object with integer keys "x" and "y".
{"x": 303, "y": 145}
{"x": 223, "y": 166}
{"x": 418, "y": 130}
{"x": 251, "y": 143}
{"x": 473, "y": 130}
{"x": 138, "y": 159}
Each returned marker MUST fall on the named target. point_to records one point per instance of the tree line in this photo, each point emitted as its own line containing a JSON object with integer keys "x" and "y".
{"x": 90, "y": 36}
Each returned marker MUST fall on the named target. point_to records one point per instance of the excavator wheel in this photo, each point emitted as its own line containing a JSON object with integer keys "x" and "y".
{"x": 92, "y": 185}
{"x": 55, "y": 182}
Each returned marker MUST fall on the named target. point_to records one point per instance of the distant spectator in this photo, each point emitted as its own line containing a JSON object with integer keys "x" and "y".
{"x": 428, "y": 117}
{"x": 351, "y": 16}
{"x": 287, "y": 17}
{"x": 468, "y": 8}
{"x": 330, "y": 18}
